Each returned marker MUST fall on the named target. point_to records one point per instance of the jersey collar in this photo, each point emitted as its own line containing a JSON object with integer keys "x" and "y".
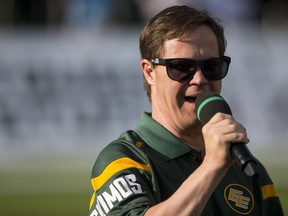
{"x": 159, "y": 138}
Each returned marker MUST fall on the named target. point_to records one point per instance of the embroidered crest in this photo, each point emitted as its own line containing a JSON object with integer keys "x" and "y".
{"x": 139, "y": 144}
{"x": 239, "y": 198}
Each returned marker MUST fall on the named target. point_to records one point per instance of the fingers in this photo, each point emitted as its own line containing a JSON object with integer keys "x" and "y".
{"x": 225, "y": 127}
{"x": 218, "y": 134}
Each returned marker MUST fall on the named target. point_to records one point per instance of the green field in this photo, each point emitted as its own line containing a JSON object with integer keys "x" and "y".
{"x": 60, "y": 185}
{"x": 45, "y": 186}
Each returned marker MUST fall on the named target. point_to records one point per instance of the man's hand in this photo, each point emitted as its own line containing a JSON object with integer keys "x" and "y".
{"x": 219, "y": 133}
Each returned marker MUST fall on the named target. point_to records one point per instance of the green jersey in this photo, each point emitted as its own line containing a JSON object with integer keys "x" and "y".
{"x": 146, "y": 166}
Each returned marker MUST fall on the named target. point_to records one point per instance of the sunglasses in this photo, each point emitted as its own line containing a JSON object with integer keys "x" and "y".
{"x": 181, "y": 69}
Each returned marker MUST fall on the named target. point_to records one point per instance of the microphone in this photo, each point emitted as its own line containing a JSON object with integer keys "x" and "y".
{"x": 207, "y": 105}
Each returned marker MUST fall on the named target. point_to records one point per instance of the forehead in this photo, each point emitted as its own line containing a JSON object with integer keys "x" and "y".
{"x": 201, "y": 41}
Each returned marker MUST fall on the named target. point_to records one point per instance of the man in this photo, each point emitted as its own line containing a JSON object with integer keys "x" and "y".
{"x": 170, "y": 164}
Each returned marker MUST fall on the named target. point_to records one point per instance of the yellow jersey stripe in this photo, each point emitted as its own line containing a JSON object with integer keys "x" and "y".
{"x": 92, "y": 200}
{"x": 268, "y": 191}
{"x": 114, "y": 167}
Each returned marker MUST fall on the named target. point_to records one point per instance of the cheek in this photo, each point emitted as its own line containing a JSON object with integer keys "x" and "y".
{"x": 215, "y": 86}
{"x": 163, "y": 86}
{"x": 170, "y": 94}
{"x": 166, "y": 88}
{"x": 170, "y": 91}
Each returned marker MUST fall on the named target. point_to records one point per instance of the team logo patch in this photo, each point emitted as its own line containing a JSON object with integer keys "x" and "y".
{"x": 239, "y": 198}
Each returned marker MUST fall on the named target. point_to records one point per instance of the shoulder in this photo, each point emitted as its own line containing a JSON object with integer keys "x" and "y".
{"x": 122, "y": 152}
{"x": 264, "y": 177}
{"x": 272, "y": 205}
{"x": 121, "y": 179}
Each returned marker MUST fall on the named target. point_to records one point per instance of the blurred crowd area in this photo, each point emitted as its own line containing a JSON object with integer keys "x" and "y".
{"x": 78, "y": 88}
{"x": 93, "y": 13}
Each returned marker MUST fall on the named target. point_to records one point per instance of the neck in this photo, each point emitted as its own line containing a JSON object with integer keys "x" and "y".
{"x": 191, "y": 136}
{"x": 194, "y": 140}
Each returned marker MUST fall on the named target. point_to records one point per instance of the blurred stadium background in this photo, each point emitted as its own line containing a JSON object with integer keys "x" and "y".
{"x": 70, "y": 82}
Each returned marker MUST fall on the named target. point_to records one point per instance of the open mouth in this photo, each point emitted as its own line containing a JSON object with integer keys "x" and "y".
{"x": 190, "y": 99}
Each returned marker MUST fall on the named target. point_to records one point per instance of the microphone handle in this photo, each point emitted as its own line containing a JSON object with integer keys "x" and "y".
{"x": 244, "y": 159}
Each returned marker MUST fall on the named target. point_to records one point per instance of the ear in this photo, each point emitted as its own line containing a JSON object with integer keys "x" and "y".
{"x": 148, "y": 71}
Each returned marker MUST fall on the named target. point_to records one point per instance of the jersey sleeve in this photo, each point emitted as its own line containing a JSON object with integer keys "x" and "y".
{"x": 121, "y": 181}
{"x": 271, "y": 201}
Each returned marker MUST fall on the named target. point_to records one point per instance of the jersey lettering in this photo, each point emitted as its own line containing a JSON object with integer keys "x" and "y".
{"x": 122, "y": 187}
{"x": 101, "y": 202}
{"x": 98, "y": 208}
{"x": 135, "y": 187}
{"x": 118, "y": 190}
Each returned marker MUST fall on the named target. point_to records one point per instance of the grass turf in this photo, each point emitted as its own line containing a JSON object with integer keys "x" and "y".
{"x": 61, "y": 186}
{"x": 71, "y": 204}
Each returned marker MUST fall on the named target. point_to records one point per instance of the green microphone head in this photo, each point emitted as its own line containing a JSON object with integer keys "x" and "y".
{"x": 208, "y": 104}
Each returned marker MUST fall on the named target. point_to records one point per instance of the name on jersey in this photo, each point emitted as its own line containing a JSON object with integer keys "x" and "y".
{"x": 118, "y": 190}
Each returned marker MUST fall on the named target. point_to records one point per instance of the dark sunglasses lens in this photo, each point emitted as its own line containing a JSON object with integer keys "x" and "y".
{"x": 180, "y": 69}
{"x": 215, "y": 69}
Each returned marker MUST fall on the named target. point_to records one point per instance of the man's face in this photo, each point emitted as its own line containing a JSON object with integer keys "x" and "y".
{"x": 173, "y": 102}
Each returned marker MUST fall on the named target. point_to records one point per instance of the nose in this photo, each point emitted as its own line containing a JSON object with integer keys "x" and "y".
{"x": 198, "y": 78}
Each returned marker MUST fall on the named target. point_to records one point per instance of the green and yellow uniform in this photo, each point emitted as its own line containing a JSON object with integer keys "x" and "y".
{"x": 147, "y": 165}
